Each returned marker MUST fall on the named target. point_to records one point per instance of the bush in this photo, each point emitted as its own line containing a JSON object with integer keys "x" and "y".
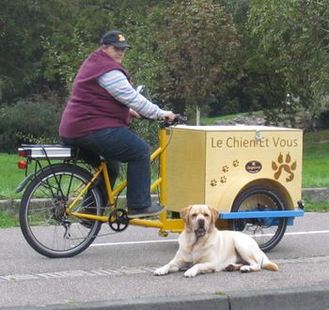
{"x": 323, "y": 121}
{"x": 147, "y": 130}
{"x": 33, "y": 120}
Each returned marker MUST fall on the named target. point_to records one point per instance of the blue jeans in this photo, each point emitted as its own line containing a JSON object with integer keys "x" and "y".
{"x": 121, "y": 144}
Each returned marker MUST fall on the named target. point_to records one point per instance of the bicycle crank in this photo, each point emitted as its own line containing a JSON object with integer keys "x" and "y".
{"x": 118, "y": 219}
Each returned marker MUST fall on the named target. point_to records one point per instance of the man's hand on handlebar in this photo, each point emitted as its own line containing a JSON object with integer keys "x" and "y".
{"x": 171, "y": 119}
{"x": 169, "y": 116}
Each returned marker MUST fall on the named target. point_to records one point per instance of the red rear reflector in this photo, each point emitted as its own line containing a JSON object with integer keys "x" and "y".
{"x": 22, "y": 164}
{"x": 22, "y": 153}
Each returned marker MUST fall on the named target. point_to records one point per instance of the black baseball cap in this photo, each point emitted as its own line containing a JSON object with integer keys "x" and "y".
{"x": 115, "y": 38}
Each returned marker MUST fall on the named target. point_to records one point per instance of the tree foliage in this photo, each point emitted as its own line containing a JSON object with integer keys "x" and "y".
{"x": 198, "y": 45}
{"x": 23, "y": 24}
{"x": 227, "y": 56}
{"x": 293, "y": 37}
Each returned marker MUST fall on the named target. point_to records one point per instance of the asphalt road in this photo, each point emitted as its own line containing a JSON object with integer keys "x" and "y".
{"x": 118, "y": 268}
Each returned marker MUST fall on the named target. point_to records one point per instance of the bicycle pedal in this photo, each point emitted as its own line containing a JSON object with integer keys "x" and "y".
{"x": 118, "y": 220}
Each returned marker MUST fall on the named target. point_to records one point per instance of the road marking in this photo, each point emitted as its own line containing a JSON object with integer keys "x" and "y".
{"x": 175, "y": 240}
{"x": 307, "y": 232}
{"x": 133, "y": 242}
{"x": 125, "y": 271}
{"x": 297, "y": 233}
{"x": 122, "y": 271}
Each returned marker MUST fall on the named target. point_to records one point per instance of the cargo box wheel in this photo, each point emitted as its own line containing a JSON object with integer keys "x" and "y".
{"x": 266, "y": 231}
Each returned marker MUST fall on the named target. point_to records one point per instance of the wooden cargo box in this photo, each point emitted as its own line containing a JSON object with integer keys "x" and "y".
{"x": 213, "y": 164}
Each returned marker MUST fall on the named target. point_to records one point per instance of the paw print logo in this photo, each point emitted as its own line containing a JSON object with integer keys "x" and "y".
{"x": 235, "y": 163}
{"x": 223, "y": 180}
{"x": 213, "y": 182}
{"x": 284, "y": 164}
{"x": 225, "y": 168}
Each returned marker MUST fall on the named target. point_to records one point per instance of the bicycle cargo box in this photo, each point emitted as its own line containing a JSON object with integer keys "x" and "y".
{"x": 213, "y": 164}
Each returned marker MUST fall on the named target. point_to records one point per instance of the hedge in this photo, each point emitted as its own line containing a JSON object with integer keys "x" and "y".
{"x": 28, "y": 121}
{"x": 36, "y": 121}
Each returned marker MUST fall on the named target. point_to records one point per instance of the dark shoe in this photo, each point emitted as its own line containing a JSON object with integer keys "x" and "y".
{"x": 150, "y": 211}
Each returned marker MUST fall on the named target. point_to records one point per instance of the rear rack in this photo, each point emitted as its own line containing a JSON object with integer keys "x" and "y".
{"x": 46, "y": 151}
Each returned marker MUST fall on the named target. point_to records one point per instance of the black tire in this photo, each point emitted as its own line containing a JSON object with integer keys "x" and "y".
{"x": 268, "y": 231}
{"x": 43, "y": 219}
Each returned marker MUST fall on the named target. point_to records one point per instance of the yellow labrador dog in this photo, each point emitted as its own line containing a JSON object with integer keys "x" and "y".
{"x": 203, "y": 248}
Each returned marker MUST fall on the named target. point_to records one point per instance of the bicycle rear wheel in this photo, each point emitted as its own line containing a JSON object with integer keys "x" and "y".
{"x": 44, "y": 221}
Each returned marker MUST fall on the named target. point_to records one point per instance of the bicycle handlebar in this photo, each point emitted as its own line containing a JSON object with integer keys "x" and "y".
{"x": 179, "y": 119}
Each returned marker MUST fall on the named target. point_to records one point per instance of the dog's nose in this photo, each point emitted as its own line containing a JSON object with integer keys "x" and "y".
{"x": 201, "y": 223}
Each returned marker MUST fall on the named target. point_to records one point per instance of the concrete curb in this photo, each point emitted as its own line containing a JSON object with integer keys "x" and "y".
{"x": 315, "y": 298}
{"x": 11, "y": 205}
{"x": 316, "y": 194}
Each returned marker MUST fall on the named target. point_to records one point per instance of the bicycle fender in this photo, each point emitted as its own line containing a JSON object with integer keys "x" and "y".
{"x": 24, "y": 183}
{"x": 30, "y": 177}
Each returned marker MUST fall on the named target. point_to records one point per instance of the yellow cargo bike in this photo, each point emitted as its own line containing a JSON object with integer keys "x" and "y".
{"x": 251, "y": 174}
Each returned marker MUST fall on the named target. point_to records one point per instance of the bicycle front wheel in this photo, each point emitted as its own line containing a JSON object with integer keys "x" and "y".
{"x": 44, "y": 222}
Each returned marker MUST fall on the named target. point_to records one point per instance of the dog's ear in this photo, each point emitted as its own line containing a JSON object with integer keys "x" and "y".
{"x": 184, "y": 214}
{"x": 214, "y": 214}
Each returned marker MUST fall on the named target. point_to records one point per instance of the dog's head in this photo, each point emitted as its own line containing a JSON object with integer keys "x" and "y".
{"x": 199, "y": 219}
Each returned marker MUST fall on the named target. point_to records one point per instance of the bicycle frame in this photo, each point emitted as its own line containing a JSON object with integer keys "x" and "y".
{"x": 163, "y": 223}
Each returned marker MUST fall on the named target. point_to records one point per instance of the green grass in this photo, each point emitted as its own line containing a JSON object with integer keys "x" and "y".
{"x": 10, "y": 176}
{"x": 8, "y": 220}
{"x": 316, "y": 159}
{"x": 321, "y": 206}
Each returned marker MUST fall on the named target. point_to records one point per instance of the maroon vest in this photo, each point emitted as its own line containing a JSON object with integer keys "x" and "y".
{"x": 90, "y": 106}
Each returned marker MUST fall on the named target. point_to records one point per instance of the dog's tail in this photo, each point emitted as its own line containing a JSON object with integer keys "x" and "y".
{"x": 267, "y": 264}
{"x": 271, "y": 266}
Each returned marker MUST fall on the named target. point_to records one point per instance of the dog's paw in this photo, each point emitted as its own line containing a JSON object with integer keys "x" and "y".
{"x": 191, "y": 273}
{"x": 245, "y": 269}
{"x": 161, "y": 271}
{"x": 230, "y": 268}
{"x": 233, "y": 267}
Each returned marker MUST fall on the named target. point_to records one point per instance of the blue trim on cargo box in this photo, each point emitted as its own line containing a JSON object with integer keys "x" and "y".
{"x": 260, "y": 214}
